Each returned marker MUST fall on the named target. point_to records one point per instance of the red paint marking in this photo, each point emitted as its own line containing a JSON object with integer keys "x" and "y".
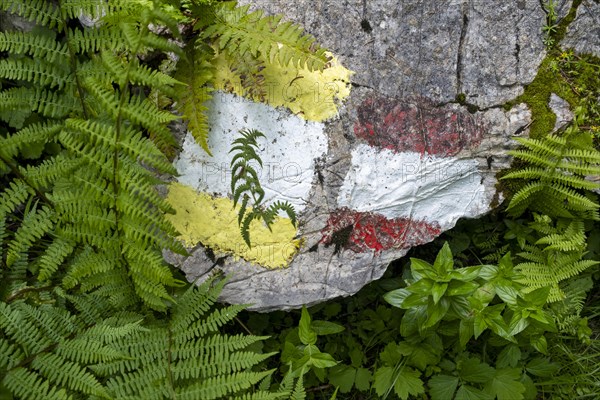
{"x": 417, "y": 126}
{"x": 365, "y": 231}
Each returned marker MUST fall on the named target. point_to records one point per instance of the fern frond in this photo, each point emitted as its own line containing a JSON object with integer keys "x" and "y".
{"x": 35, "y": 224}
{"x": 37, "y": 46}
{"x": 542, "y": 173}
{"x": 14, "y": 196}
{"x": 37, "y": 72}
{"x": 217, "y": 387}
{"x": 238, "y": 31}
{"x": 41, "y": 12}
{"x": 59, "y": 371}
{"x": 29, "y": 385}
{"x": 196, "y": 72}
{"x": 47, "y": 103}
{"x": 573, "y": 238}
{"x": 54, "y": 257}
{"x": 95, "y": 40}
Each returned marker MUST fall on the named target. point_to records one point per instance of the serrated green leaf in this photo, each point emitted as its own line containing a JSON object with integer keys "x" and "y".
{"x": 542, "y": 367}
{"x": 509, "y": 357}
{"x": 539, "y": 343}
{"x": 383, "y": 380}
{"x": 466, "y": 392}
{"x": 442, "y": 387}
{"x": 363, "y": 379}
{"x": 506, "y": 385}
{"x": 408, "y": 383}
{"x": 473, "y": 370}
{"x": 343, "y": 377}
{"x": 391, "y": 354}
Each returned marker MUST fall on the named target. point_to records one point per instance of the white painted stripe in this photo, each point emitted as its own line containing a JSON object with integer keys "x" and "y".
{"x": 288, "y": 152}
{"x": 411, "y": 185}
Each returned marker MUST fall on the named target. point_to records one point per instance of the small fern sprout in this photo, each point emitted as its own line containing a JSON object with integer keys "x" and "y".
{"x": 245, "y": 184}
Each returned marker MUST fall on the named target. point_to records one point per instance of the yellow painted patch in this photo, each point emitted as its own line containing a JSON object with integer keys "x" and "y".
{"x": 201, "y": 218}
{"x": 314, "y": 95}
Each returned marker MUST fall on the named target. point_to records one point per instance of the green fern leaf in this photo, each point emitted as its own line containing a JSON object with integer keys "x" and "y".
{"x": 238, "y": 32}
{"x": 37, "y": 46}
{"x": 37, "y": 72}
{"x": 35, "y": 225}
{"x": 41, "y": 12}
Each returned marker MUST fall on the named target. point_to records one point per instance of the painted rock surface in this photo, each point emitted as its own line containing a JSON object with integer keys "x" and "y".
{"x": 385, "y": 150}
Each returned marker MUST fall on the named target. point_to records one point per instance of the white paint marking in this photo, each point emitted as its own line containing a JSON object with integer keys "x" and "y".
{"x": 411, "y": 185}
{"x": 288, "y": 152}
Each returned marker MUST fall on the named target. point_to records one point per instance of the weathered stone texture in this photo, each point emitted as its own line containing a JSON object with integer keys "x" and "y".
{"x": 416, "y": 146}
{"x": 437, "y": 49}
{"x": 583, "y": 34}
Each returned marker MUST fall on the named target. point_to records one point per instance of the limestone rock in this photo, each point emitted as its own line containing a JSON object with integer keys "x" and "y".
{"x": 583, "y": 33}
{"x": 562, "y": 110}
{"x": 487, "y": 50}
{"x": 414, "y": 146}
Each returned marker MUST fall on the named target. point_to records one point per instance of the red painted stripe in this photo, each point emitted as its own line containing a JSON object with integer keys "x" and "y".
{"x": 366, "y": 231}
{"x": 417, "y": 126}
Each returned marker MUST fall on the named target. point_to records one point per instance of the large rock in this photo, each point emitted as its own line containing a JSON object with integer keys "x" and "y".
{"x": 583, "y": 33}
{"x": 414, "y": 147}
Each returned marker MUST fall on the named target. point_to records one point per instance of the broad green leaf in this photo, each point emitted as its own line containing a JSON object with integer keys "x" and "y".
{"x": 542, "y": 367}
{"x": 479, "y": 325}
{"x": 466, "y": 392}
{"x": 396, "y": 297}
{"x": 415, "y": 300}
{"x": 326, "y": 327}
{"x": 419, "y": 355}
{"x": 422, "y": 267}
{"x": 530, "y": 389}
{"x": 343, "y": 377}
{"x": 435, "y": 313}
{"x": 537, "y": 297}
{"x": 363, "y": 379}
{"x": 438, "y": 290}
{"x": 444, "y": 262}
{"x": 506, "y": 385}
{"x": 539, "y": 343}
{"x": 392, "y": 354}
{"x": 422, "y": 287}
{"x": 412, "y": 320}
{"x": 473, "y": 370}
{"x": 465, "y": 331}
{"x": 517, "y": 324}
{"x": 509, "y": 357}
{"x": 488, "y": 272}
{"x": 382, "y": 381}
{"x": 322, "y": 360}
{"x": 507, "y": 293}
{"x": 466, "y": 274}
{"x": 459, "y": 288}
{"x": 442, "y": 387}
{"x": 305, "y": 332}
{"x": 505, "y": 265}
{"x": 408, "y": 382}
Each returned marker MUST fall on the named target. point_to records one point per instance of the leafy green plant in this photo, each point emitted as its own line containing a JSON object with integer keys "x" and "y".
{"x": 551, "y": 26}
{"x": 245, "y": 183}
{"x": 448, "y": 308}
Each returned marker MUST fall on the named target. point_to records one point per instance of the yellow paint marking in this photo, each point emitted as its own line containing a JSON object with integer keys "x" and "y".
{"x": 314, "y": 95}
{"x": 201, "y": 218}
